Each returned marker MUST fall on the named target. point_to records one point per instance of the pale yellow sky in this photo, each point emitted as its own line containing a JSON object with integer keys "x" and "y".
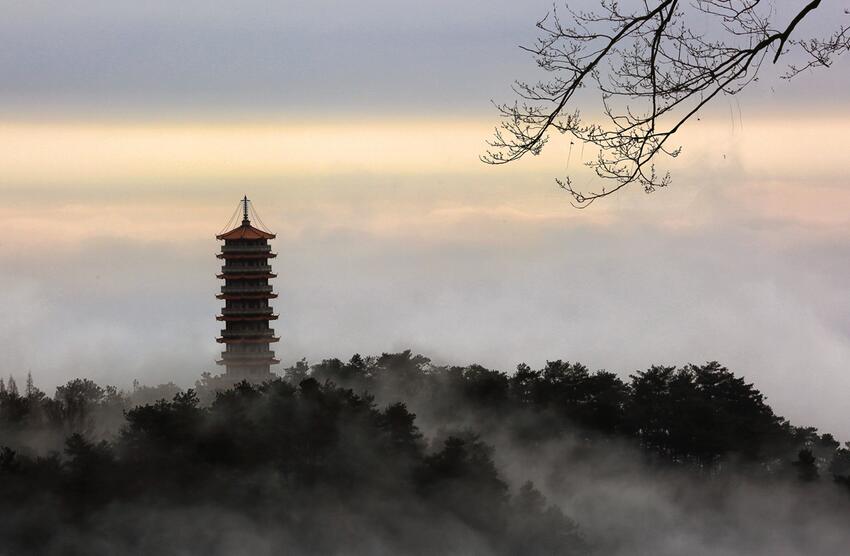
{"x": 71, "y": 181}
{"x": 80, "y": 154}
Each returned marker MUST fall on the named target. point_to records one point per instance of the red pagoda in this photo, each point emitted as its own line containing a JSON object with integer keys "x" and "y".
{"x": 246, "y": 293}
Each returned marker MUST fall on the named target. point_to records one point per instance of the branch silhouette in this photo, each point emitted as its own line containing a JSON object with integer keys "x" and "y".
{"x": 653, "y": 71}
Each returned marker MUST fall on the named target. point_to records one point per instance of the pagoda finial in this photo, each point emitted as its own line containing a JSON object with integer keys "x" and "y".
{"x": 245, "y": 221}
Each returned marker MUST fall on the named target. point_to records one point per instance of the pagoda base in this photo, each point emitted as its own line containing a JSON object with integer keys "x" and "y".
{"x": 250, "y": 373}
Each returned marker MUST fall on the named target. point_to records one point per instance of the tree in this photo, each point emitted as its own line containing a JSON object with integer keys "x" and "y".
{"x": 544, "y": 528}
{"x": 806, "y": 465}
{"x": 77, "y": 398}
{"x": 8, "y": 463}
{"x": 31, "y": 392}
{"x": 463, "y": 478}
{"x": 30, "y": 387}
{"x": 839, "y": 467}
{"x": 398, "y": 424}
{"x": 297, "y": 373}
{"x": 654, "y": 65}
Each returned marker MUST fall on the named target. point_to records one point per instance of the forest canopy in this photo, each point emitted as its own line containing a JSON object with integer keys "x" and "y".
{"x": 385, "y": 454}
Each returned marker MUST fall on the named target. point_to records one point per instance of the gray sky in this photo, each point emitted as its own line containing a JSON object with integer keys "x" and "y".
{"x": 230, "y": 59}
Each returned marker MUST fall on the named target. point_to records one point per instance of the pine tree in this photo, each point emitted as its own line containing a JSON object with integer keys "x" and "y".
{"x": 807, "y": 466}
{"x": 30, "y": 388}
{"x": 2, "y": 386}
{"x": 13, "y": 388}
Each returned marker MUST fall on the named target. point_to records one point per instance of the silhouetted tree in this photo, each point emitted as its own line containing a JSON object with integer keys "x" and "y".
{"x": 839, "y": 465}
{"x": 30, "y": 387}
{"x": 703, "y": 413}
{"x": 150, "y": 394}
{"x": 77, "y": 398}
{"x": 8, "y": 462}
{"x": 806, "y": 465}
{"x": 463, "y": 478}
{"x": 297, "y": 372}
{"x": 545, "y": 528}
{"x": 90, "y": 472}
{"x": 398, "y": 423}
{"x": 488, "y": 388}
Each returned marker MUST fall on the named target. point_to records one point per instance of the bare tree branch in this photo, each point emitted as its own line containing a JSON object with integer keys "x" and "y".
{"x": 653, "y": 72}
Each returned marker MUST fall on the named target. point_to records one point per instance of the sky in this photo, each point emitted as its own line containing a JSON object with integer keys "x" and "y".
{"x": 128, "y": 131}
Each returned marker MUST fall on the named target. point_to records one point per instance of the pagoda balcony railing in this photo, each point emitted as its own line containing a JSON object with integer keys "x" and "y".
{"x": 246, "y": 256}
{"x": 241, "y": 355}
{"x": 246, "y": 289}
{"x": 246, "y": 248}
{"x": 247, "y": 333}
{"x": 246, "y": 311}
{"x": 262, "y": 269}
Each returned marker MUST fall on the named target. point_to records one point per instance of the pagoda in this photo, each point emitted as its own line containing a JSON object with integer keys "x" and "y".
{"x": 246, "y": 292}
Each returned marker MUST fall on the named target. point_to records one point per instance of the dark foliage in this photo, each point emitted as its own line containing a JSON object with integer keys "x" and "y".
{"x": 332, "y": 458}
{"x": 280, "y": 455}
{"x": 699, "y": 415}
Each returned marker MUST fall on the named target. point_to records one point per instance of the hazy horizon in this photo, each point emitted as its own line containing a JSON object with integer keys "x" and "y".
{"x": 128, "y": 132}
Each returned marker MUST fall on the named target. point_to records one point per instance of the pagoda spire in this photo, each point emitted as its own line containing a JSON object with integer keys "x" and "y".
{"x": 245, "y": 221}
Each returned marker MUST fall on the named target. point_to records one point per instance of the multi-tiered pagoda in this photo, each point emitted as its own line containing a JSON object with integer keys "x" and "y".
{"x": 246, "y": 292}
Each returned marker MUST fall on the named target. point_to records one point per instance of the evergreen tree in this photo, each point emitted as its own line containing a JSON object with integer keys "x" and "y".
{"x": 13, "y": 388}
{"x": 806, "y": 465}
{"x": 30, "y": 387}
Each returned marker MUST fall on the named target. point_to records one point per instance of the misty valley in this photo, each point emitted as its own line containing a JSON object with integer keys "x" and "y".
{"x": 393, "y": 454}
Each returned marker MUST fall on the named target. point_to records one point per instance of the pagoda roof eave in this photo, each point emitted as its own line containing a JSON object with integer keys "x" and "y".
{"x": 252, "y": 317}
{"x": 261, "y": 340}
{"x": 245, "y": 231}
{"x": 238, "y": 296}
{"x": 257, "y": 255}
{"x": 225, "y": 276}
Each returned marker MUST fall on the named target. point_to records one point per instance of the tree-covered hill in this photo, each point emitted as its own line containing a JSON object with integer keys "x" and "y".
{"x": 703, "y": 416}
{"x": 396, "y": 455}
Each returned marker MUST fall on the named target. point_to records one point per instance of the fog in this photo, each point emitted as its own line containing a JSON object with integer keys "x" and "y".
{"x": 631, "y": 508}
{"x": 381, "y": 264}
{"x": 325, "y": 469}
